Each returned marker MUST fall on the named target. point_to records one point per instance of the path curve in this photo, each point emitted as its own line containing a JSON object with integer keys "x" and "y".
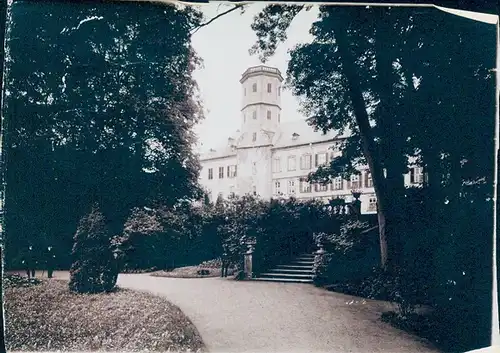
{"x": 241, "y": 316}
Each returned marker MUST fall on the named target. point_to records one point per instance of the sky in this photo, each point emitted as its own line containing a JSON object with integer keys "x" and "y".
{"x": 223, "y": 45}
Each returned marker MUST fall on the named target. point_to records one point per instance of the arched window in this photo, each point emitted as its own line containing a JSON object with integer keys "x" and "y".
{"x": 268, "y": 115}
{"x": 254, "y": 87}
{"x": 255, "y": 114}
{"x": 269, "y": 88}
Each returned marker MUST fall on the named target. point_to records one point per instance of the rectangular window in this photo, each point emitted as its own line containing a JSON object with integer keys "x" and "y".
{"x": 292, "y": 163}
{"x": 304, "y": 186}
{"x": 291, "y": 187}
{"x": 254, "y": 87}
{"x": 355, "y": 182}
{"x": 277, "y": 188}
{"x": 279, "y": 91}
{"x": 221, "y": 172}
{"x": 254, "y": 114}
{"x": 305, "y": 162}
{"x": 231, "y": 171}
{"x": 268, "y": 115}
{"x": 276, "y": 165}
{"x": 269, "y": 88}
{"x": 245, "y": 91}
{"x": 337, "y": 184}
{"x": 254, "y": 137}
{"x": 416, "y": 175}
{"x": 372, "y": 204}
{"x": 320, "y": 187}
{"x": 210, "y": 173}
{"x": 320, "y": 159}
{"x": 368, "y": 179}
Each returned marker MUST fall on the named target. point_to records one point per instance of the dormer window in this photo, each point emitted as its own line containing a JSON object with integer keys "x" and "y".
{"x": 254, "y": 87}
{"x": 295, "y": 136}
{"x": 268, "y": 115}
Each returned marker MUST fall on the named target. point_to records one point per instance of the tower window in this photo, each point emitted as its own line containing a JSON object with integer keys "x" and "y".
{"x": 269, "y": 88}
{"x": 244, "y": 117}
{"x": 279, "y": 91}
{"x": 279, "y": 117}
{"x": 254, "y": 87}
{"x": 255, "y": 114}
{"x": 254, "y": 137}
{"x": 245, "y": 91}
{"x": 268, "y": 115}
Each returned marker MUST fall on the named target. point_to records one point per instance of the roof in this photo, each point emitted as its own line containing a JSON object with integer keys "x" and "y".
{"x": 282, "y": 139}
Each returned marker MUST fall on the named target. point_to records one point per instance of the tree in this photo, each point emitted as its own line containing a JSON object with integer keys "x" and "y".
{"x": 361, "y": 73}
{"x": 94, "y": 268}
{"x": 103, "y": 111}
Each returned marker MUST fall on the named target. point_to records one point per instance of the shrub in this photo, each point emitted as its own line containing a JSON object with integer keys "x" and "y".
{"x": 94, "y": 268}
{"x": 350, "y": 254}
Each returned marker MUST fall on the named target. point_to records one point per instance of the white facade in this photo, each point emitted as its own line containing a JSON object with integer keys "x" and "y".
{"x": 270, "y": 158}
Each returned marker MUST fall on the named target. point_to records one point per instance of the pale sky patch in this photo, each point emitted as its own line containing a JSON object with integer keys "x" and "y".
{"x": 223, "y": 45}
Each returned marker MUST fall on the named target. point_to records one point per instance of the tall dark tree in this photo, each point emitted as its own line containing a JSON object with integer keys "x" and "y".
{"x": 101, "y": 104}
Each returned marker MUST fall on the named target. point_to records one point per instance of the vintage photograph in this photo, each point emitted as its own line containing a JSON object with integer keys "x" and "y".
{"x": 256, "y": 177}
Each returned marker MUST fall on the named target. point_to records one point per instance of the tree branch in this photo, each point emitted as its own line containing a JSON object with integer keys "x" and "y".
{"x": 216, "y": 17}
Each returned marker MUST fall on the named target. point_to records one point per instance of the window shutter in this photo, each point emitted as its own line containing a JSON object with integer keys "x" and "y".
{"x": 412, "y": 175}
{"x": 316, "y": 161}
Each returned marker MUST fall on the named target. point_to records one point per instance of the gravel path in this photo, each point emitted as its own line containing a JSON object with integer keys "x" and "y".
{"x": 239, "y": 316}
{"x": 234, "y": 316}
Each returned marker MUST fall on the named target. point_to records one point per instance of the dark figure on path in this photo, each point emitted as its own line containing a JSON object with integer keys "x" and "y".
{"x": 30, "y": 262}
{"x": 50, "y": 259}
{"x": 227, "y": 261}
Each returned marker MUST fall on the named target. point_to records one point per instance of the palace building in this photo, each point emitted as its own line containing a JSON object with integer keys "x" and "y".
{"x": 271, "y": 158}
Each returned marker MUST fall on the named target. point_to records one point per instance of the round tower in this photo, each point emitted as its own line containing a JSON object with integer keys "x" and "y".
{"x": 261, "y": 102}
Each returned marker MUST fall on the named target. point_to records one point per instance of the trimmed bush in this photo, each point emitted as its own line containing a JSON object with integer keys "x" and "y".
{"x": 94, "y": 268}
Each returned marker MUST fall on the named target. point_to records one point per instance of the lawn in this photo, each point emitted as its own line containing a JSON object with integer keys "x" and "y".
{"x": 190, "y": 272}
{"x": 48, "y": 317}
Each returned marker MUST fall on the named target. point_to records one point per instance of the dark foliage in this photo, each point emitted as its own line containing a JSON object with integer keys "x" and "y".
{"x": 94, "y": 267}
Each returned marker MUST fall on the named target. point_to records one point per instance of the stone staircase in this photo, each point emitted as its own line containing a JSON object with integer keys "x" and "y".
{"x": 299, "y": 270}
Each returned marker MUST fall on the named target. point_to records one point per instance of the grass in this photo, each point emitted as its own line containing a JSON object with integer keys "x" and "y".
{"x": 190, "y": 272}
{"x": 48, "y": 317}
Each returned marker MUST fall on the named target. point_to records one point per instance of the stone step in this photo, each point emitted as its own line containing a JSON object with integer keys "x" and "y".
{"x": 282, "y": 280}
{"x": 287, "y": 270}
{"x": 296, "y": 267}
{"x": 285, "y": 275}
{"x": 310, "y": 263}
{"x": 304, "y": 259}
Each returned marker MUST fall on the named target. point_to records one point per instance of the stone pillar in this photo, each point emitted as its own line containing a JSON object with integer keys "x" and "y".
{"x": 248, "y": 263}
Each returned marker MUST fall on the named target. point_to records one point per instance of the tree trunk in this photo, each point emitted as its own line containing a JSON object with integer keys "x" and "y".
{"x": 368, "y": 144}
